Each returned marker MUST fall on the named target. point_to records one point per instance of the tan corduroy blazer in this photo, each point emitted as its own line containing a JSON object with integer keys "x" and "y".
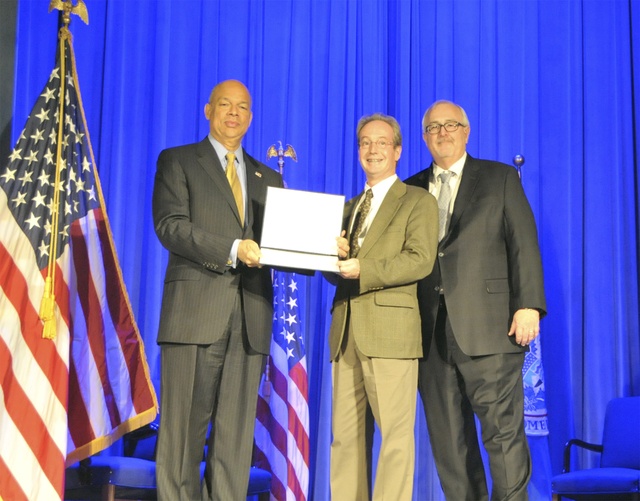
{"x": 398, "y": 250}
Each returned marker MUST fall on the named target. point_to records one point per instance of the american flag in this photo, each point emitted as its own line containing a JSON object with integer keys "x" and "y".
{"x": 65, "y": 398}
{"x": 282, "y": 423}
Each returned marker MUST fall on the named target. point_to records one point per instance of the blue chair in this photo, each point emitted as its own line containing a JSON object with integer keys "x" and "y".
{"x": 133, "y": 476}
{"x": 618, "y": 477}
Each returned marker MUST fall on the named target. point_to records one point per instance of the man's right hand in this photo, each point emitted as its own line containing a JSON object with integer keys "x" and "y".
{"x": 249, "y": 253}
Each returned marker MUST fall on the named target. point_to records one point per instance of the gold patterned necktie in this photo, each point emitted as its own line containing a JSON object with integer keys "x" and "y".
{"x": 232, "y": 176}
{"x": 358, "y": 224}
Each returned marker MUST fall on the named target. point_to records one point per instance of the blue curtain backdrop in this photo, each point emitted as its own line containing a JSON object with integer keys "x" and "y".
{"x": 553, "y": 80}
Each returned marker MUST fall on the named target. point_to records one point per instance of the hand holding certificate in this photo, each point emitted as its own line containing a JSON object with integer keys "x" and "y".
{"x": 300, "y": 229}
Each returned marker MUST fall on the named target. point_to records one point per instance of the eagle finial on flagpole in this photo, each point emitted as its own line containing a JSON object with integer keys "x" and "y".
{"x": 48, "y": 305}
{"x": 280, "y": 152}
{"x": 67, "y": 8}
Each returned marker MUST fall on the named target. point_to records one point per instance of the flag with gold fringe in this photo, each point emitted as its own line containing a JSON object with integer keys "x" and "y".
{"x": 73, "y": 373}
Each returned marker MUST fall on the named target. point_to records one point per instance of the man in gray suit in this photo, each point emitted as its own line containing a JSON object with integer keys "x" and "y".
{"x": 375, "y": 339}
{"x": 480, "y": 307}
{"x": 215, "y": 323}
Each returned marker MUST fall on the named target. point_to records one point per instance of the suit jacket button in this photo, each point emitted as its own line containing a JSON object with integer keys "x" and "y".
{"x": 436, "y": 288}
{"x": 440, "y": 254}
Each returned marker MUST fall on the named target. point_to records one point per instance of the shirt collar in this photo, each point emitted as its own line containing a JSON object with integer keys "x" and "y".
{"x": 456, "y": 168}
{"x": 221, "y": 151}
{"x": 381, "y": 188}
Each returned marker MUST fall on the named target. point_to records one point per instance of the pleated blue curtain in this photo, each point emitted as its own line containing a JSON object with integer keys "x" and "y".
{"x": 552, "y": 80}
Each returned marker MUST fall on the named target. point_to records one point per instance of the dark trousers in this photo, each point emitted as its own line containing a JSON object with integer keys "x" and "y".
{"x": 453, "y": 387}
{"x": 204, "y": 385}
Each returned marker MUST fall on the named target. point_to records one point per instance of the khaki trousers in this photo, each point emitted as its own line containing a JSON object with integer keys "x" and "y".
{"x": 390, "y": 388}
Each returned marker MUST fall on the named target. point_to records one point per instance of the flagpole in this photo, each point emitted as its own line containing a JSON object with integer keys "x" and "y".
{"x": 279, "y": 152}
{"x": 48, "y": 305}
{"x": 533, "y": 374}
{"x": 47, "y": 312}
{"x": 282, "y": 418}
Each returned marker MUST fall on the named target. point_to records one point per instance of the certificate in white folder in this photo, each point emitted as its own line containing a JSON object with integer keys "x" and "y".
{"x": 300, "y": 229}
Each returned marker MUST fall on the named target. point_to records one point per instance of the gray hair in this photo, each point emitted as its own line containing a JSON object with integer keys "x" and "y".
{"x": 465, "y": 119}
{"x": 397, "y": 135}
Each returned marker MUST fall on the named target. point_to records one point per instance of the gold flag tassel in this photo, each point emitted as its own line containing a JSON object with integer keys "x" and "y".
{"x": 48, "y": 304}
{"x": 47, "y": 310}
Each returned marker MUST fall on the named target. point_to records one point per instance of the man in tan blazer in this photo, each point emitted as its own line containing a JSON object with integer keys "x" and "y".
{"x": 375, "y": 338}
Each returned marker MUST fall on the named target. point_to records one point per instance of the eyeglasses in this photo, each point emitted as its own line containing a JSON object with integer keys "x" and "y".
{"x": 380, "y": 143}
{"x": 434, "y": 129}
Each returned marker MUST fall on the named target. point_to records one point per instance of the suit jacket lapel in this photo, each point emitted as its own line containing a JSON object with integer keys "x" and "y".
{"x": 470, "y": 177}
{"x": 254, "y": 182}
{"x": 425, "y": 177}
{"x": 211, "y": 164}
{"x": 387, "y": 210}
{"x": 349, "y": 214}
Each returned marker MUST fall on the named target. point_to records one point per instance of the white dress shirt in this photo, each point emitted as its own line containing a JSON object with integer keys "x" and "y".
{"x": 380, "y": 190}
{"x": 454, "y": 182}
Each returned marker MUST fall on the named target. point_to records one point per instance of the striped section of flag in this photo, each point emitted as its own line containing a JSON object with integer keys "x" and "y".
{"x": 65, "y": 398}
{"x": 282, "y": 423}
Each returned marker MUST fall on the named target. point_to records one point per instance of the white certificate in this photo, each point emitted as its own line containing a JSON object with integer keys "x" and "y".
{"x": 300, "y": 229}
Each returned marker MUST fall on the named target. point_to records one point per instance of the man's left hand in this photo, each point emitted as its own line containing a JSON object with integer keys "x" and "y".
{"x": 349, "y": 268}
{"x": 525, "y": 326}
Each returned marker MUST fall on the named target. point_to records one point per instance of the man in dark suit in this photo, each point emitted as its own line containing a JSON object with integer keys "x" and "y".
{"x": 375, "y": 339}
{"x": 480, "y": 307}
{"x": 215, "y": 322}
